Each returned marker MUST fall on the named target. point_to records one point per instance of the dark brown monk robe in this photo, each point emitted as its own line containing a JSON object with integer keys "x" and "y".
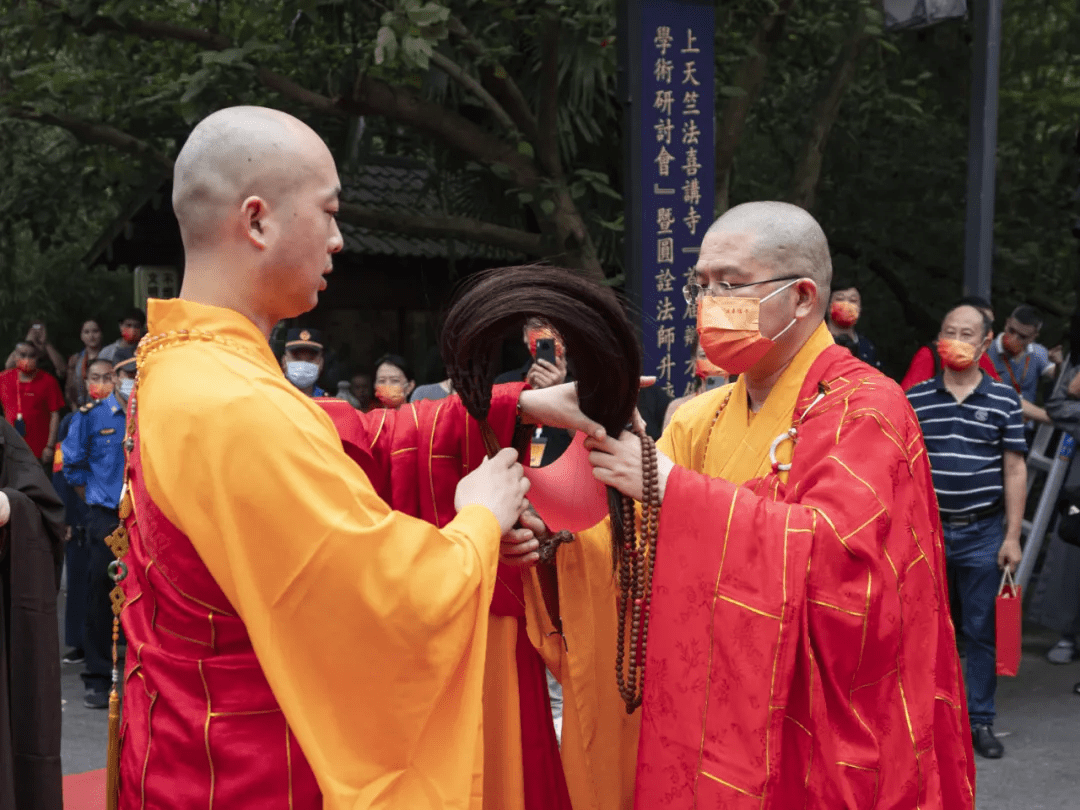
{"x": 31, "y": 547}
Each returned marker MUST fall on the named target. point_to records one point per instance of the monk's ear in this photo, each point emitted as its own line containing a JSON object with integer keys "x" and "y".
{"x": 808, "y": 294}
{"x": 254, "y": 213}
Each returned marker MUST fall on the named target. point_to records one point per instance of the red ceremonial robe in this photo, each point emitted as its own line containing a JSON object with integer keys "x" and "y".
{"x": 801, "y": 653}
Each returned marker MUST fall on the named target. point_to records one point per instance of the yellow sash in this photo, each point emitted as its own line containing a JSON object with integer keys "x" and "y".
{"x": 740, "y": 440}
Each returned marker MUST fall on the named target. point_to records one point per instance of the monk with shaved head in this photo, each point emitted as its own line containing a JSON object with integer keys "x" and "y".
{"x": 800, "y": 652}
{"x": 293, "y": 642}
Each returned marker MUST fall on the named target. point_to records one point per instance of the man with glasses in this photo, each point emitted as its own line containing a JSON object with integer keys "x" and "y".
{"x": 799, "y": 649}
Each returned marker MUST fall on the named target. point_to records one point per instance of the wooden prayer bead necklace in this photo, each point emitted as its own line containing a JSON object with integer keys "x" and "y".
{"x": 636, "y": 562}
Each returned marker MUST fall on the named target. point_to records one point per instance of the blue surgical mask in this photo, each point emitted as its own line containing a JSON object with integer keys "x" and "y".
{"x": 302, "y": 373}
{"x": 127, "y": 385}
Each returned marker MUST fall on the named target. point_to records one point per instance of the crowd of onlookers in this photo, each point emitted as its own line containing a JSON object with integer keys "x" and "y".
{"x": 974, "y": 390}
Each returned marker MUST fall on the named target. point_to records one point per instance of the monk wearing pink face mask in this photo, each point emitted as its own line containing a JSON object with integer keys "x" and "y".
{"x": 799, "y": 651}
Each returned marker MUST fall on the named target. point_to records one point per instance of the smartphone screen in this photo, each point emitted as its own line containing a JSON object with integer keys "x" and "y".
{"x": 714, "y": 382}
{"x": 545, "y": 350}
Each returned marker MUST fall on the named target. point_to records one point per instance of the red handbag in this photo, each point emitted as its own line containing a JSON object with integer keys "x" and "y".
{"x": 1007, "y": 610}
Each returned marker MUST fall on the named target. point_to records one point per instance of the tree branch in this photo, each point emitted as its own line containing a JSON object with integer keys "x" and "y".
{"x": 808, "y": 170}
{"x": 547, "y": 140}
{"x": 458, "y": 74}
{"x": 750, "y": 78}
{"x": 375, "y": 97}
{"x": 502, "y": 84}
{"x": 444, "y": 227}
{"x": 915, "y": 313}
{"x": 370, "y": 97}
{"x": 89, "y": 132}
{"x": 441, "y": 227}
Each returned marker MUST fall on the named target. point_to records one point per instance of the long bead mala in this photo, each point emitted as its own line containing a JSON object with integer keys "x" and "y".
{"x": 637, "y": 560}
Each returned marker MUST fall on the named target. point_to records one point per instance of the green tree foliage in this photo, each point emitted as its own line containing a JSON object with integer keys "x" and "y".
{"x": 816, "y": 104}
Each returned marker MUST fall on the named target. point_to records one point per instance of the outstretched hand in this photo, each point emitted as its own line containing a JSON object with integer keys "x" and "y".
{"x": 558, "y": 407}
{"x": 617, "y": 463}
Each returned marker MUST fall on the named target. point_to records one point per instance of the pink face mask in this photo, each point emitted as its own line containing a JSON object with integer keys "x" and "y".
{"x": 956, "y": 354}
{"x": 844, "y": 313}
{"x": 729, "y": 332}
{"x": 390, "y": 395}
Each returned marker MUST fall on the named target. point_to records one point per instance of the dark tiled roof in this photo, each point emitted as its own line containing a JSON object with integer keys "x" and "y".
{"x": 410, "y": 188}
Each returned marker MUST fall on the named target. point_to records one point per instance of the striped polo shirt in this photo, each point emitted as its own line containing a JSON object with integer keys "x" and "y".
{"x": 966, "y": 441}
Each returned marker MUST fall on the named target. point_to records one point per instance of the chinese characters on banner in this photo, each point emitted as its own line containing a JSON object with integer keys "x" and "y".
{"x": 677, "y": 179}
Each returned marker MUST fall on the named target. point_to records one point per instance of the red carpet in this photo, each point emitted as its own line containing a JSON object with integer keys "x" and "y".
{"x": 85, "y": 791}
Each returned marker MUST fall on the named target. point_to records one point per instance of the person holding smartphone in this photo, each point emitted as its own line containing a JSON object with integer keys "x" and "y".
{"x": 545, "y": 367}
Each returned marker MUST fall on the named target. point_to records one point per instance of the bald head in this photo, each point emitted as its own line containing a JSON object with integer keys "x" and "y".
{"x": 256, "y": 193}
{"x": 234, "y": 154}
{"x": 784, "y": 236}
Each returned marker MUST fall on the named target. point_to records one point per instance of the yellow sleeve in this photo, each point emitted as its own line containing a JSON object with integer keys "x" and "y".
{"x": 599, "y": 739}
{"x": 369, "y": 624}
{"x": 679, "y": 441}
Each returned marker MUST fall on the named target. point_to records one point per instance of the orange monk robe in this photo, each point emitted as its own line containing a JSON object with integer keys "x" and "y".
{"x": 800, "y": 648}
{"x": 370, "y": 625}
{"x": 520, "y": 768}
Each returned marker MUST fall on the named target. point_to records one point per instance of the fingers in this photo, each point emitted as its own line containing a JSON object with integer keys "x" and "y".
{"x": 647, "y": 381}
{"x": 505, "y": 457}
{"x": 637, "y": 421}
{"x": 518, "y": 549}
{"x": 606, "y": 444}
{"x": 601, "y": 460}
{"x": 603, "y": 475}
{"x": 520, "y": 561}
{"x": 533, "y": 522}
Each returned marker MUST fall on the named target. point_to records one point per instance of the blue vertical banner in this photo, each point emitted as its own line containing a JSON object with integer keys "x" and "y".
{"x": 671, "y": 188}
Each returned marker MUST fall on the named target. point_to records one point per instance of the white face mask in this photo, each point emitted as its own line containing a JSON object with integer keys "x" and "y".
{"x": 302, "y": 373}
{"x": 127, "y": 385}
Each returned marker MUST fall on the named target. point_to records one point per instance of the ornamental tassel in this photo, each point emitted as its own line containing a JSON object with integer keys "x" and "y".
{"x": 112, "y": 762}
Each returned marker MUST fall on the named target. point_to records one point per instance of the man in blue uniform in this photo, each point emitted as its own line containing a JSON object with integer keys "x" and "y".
{"x": 94, "y": 463}
{"x": 303, "y": 360}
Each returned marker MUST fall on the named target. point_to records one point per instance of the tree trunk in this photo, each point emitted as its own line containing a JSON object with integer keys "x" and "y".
{"x": 750, "y": 78}
{"x": 807, "y": 172}
{"x": 564, "y": 224}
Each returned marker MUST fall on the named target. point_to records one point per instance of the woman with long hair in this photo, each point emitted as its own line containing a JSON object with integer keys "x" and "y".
{"x": 78, "y": 363}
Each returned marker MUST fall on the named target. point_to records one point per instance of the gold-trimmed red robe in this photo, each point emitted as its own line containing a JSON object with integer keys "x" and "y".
{"x": 284, "y": 625}
{"x": 800, "y": 650}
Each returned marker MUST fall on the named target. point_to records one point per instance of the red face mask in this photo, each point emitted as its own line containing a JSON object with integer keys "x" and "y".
{"x": 130, "y": 334}
{"x": 1011, "y": 344}
{"x": 391, "y": 396}
{"x": 844, "y": 314}
{"x": 99, "y": 390}
{"x": 729, "y": 331}
{"x": 704, "y": 367}
{"x": 955, "y": 354}
{"x": 26, "y": 365}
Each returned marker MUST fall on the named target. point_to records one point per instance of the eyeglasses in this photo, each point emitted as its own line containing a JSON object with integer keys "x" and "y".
{"x": 693, "y": 291}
